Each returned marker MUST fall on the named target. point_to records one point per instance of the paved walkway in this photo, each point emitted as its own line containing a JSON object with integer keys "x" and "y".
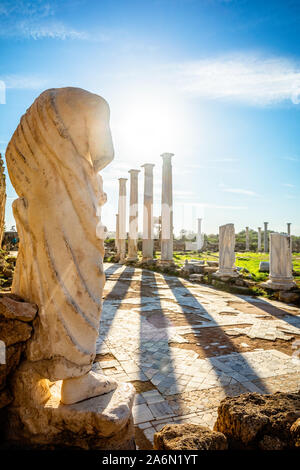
{"x": 186, "y": 346}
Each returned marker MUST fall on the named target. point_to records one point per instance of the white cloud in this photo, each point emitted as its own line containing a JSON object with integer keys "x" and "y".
{"x": 291, "y": 159}
{"x": 246, "y": 192}
{"x": 250, "y": 79}
{"x": 24, "y": 82}
{"x": 36, "y": 20}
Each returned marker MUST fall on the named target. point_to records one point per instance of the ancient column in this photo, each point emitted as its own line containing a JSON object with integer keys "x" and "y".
{"x": 281, "y": 276}
{"x": 289, "y": 234}
{"x": 148, "y": 212}
{"x": 266, "y": 239}
{"x": 167, "y": 210}
{"x": 199, "y": 236}
{"x": 117, "y": 236}
{"x": 2, "y": 199}
{"x": 122, "y": 219}
{"x": 259, "y": 239}
{"x": 247, "y": 238}
{"x": 133, "y": 216}
{"x": 227, "y": 267}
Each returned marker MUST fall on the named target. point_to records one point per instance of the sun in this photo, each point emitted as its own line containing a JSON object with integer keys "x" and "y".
{"x": 147, "y": 125}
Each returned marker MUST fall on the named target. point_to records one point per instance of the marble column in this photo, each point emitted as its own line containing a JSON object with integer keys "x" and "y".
{"x": 148, "y": 212}
{"x": 133, "y": 216}
{"x": 199, "y": 236}
{"x": 259, "y": 239}
{"x": 289, "y": 234}
{"x": 266, "y": 239}
{"x": 227, "y": 267}
{"x": 122, "y": 218}
{"x": 117, "y": 235}
{"x": 167, "y": 210}
{"x": 281, "y": 271}
{"x": 247, "y": 239}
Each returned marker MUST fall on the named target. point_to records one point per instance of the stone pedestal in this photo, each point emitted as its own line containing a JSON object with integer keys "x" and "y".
{"x": 266, "y": 239}
{"x": 227, "y": 267}
{"x": 167, "y": 210}
{"x": 247, "y": 239}
{"x": 148, "y": 213}
{"x": 133, "y": 216}
{"x": 259, "y": 239}
{"x": 281, "y": 276}
{"x": 122, "y": 219}
{"x": 38, "y": 419}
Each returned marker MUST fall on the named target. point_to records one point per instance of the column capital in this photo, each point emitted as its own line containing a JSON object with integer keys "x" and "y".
{"x": 266, "y": 223}
{"x": 134, "y": 172}
{"x": 122, "y": 179}
{"x": 167, "y": 157}
{"x": 147, "y": 165}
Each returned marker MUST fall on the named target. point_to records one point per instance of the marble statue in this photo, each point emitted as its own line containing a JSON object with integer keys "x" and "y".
{"x": 53, "y": 159}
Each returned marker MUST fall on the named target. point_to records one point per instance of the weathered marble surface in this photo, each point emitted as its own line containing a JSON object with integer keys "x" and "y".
{"x": 281, "y": 276}
{"x": 122, "y": 219}
{"x": 53, "y": 160}
{"x": 226, "y": 249}
{"x": 133, "y": 216}
{"x": 259, "y": 239}
{"x": 148, "y": 212}
{"x": 167, "y": 209}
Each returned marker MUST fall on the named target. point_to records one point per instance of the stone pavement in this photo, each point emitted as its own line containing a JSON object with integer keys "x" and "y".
{"x": 186, "y": 346}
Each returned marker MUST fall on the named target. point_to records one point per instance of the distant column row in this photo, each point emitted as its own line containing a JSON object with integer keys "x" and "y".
{"x": 148, "y": 229}
{"x": 266, "y": 237}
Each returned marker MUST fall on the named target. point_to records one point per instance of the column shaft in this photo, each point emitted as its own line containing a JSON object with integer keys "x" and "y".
{"x": 167, "y": 209}
{"x": 122, "y": 218}
{"x": 259, "y": 239}
{"x": 148, "y": 212}
{"x": 266, "y": 239}
{"x": 133, "y": 216}
{"x": 247, "y": 239}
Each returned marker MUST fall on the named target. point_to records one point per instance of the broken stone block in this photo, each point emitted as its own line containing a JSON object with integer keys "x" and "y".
{"x": 188, "y": 437}
{"x": 196, "y": 277}
{"x": 12, "y": 308}
{"x": 253, "y": 421}
{"x": 213, "y": 263}
{"x": 264, "y": 267}
{"x": 14, "y": 331}
{"x": 288, "y": 296}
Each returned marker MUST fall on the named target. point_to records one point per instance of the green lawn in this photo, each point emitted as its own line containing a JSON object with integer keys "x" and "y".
{"x": 246, "y": 260}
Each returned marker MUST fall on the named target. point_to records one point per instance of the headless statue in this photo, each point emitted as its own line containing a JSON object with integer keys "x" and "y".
{"x": 53, "y": 159}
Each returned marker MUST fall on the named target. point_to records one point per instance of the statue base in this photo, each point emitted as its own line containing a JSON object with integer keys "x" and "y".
{"x": 37, "y": 418}
{"x": 278, "y": 283}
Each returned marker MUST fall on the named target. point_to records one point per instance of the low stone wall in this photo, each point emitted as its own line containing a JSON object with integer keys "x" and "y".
{"x": 16, "y": 318}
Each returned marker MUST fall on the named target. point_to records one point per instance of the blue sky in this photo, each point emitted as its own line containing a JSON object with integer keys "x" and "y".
{"x": 216, "y": 82}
